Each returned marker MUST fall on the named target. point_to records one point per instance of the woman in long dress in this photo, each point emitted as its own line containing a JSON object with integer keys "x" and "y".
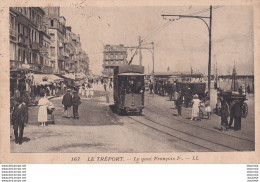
{"x": 43, "y": 103}
{"x": 195, "y": 107}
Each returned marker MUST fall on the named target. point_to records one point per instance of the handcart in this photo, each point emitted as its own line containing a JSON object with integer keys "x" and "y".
{"x": 50, "y": 112}
{"x": 230, "y": 98}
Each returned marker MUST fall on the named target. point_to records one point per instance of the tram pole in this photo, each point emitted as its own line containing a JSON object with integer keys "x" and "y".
{"x": 177, "y": 17}
{"x": 153, "y": 68}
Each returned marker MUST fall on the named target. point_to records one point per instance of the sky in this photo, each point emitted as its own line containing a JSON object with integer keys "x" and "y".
{"x": 180, "y": 45}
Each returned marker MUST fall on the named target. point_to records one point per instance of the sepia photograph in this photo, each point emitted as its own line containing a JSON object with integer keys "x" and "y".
{"x": 145, "y": 79}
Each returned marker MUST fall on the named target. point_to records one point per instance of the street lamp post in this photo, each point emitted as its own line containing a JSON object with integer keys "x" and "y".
{"x": 209, "y": 29}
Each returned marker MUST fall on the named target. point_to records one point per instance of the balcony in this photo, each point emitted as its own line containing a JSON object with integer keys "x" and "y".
{"x": 65, "y": 54}
{"x": 35, "y": 46}
{"x": 12, "y": 32}
{"x": 43, "y": 28}
{"x": 15, "y": 64}
{"x": 44, "y": 49}
{"x": 61, "y": 57}
{"x": 21, "y": 39}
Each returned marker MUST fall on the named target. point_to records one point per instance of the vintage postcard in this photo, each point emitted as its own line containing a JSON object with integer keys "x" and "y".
{"x": 129, "y": 82}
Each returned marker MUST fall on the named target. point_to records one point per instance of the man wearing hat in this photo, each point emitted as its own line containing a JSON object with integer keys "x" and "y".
{"x": 67, "y": 102}
{"x": 19, "y": 119}
{"x": 75, "y": 102}
{"x": 179, "y": 103}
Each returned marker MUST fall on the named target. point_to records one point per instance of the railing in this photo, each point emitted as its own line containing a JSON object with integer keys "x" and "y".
{"x": 43, "y": 49}
{"x": 15, "y": 64}
{"x": 21, "y": 39}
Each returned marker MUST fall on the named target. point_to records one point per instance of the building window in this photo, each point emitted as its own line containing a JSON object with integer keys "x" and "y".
{"x": 52, "y": 51}
{"x": 19, "y": 28}
{"x": 51, "y": 23}
{"x": 12, "y": 22}
{"x": 19, "y": 55}
{"x": 32, "y": 15}
{"x": 12, "y": 51}
{"x": 30, "y": 58}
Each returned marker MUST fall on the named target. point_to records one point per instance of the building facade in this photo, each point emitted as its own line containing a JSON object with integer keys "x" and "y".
{"x": 26, "y": 39}
{"x": 40, "y": 42}
{"x": 113, "y": 55}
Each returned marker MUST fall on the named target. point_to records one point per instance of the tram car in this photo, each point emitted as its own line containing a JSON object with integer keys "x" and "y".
{"x": 129, "y": 88}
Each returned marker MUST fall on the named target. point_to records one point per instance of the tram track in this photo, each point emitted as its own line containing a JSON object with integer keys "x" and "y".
{"x": 203, "y": 139}
{"x": 207, "y": 149}
{"x": 187, "y": 123}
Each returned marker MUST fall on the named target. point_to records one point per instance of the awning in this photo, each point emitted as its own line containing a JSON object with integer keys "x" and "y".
{"x": 44, "y": 79}
{"x": 54, "y": 78}
{"x": 70, "y": 76}
{"x": 80, "y": 76}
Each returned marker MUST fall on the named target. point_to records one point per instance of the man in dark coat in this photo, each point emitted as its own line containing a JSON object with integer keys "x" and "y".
{"x": 67, "y": 102}
{"x": 19, "y": 119}
{"x": 237, "y": 114}
{"x": 76, "y": 102}
{"x": 179, "y": 102}
{"x": 224, "y": 114}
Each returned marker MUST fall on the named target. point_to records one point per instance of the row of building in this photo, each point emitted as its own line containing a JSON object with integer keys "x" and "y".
{"x": 41, "y": 42}
{"x": 113, "y": 55}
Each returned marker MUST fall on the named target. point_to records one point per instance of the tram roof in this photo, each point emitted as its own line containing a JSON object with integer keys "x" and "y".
{"x": 129, "y": 69}
{"x": 131, "y": 74}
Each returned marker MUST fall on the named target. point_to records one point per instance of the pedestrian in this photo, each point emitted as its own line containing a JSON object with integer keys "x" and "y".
{"x": 110, "y": 84}
{"x": 67, "y": 102}
{"x": 91, "y": 92}
{"x": 179, "y": 103}
{"x": 76, "y": 102}
{"x": 105, "y": 86}
{"x": 237, "y": 114}
{"x": 43, "y": 103}
{"x": 224, "y": 111}
{"x": 208, "y": 108}
{"x": 151, "y": 87}
{"x": 19, "y": 119}
{"x": 188, "y": 97}
{"x": 87, "y": 90}
{"x": 195, "y": 107}
{"x": 248, "y": 89}
{"x": 175, "y": 98}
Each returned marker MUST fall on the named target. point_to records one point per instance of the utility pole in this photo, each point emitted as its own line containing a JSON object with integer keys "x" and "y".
{"x": 140, "y": 53}
{"x": 209, "y": 65}
{"x": 153, "y": 68}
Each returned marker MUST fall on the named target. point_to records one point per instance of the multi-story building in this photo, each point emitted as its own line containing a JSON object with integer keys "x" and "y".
{"x": 57, "y": 32}
{"x": 25, "y": 38}
{"x": 113, "y": 55}
{"x": 41, "y": 42}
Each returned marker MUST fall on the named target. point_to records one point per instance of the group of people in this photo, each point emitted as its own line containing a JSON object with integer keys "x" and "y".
{"x": 86, "y": 90}
{"x": 233, "y": 111}
{"x": 196, "y": 105}
{"x": 71, "y": 99}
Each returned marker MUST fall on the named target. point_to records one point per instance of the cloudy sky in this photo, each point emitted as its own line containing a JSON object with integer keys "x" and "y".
{"x": 179, "y": 45}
